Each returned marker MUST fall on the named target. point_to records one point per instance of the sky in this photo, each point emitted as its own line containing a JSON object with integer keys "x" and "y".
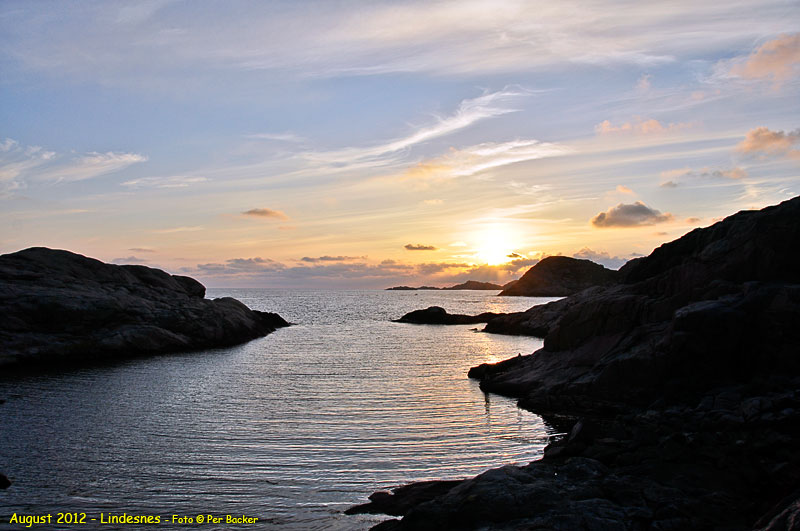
{"x": 362, "y": 145}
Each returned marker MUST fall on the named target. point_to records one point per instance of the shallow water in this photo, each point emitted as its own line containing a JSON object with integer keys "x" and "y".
{"x": 292, "y": 428}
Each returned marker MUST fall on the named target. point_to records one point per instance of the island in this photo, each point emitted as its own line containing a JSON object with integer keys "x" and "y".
{"x": 60, "y": 308}
{"x": 559, "y": 276}
{"x": 678, "y": 387}
{"x": 469, "y": 284}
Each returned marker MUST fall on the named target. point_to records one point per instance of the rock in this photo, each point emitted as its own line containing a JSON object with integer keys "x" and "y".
{"x": 558, "y": 276}
{"x": 438, "y": 315}
{"x": 4, "y": 482}
{"x": 60, "y": 307}
{"x": 401, "y": 499}
{"x": 684, "y": 376}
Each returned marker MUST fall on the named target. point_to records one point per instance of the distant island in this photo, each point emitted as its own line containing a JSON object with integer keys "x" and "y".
{"x": 469, "y": 284}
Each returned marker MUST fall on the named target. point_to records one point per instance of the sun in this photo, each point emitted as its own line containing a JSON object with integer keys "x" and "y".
{"x": 494, "y": 245}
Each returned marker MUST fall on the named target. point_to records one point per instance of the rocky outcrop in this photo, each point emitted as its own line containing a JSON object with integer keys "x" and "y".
{"x": 559, "y": 276}
{"x": 438, "y": 315}
{"x": 685, "y": 378}
{"x": 59, "y": 307}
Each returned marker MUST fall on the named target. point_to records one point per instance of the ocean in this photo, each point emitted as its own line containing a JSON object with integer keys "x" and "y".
{"x": 292, "y": 428}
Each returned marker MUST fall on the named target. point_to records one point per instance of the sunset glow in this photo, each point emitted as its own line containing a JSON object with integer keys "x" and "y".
{"x": 349, "y": 145}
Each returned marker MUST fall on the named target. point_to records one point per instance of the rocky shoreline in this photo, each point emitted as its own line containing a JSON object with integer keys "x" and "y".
{"x": 60, "y": 308}
{"x": 683, "y": 383}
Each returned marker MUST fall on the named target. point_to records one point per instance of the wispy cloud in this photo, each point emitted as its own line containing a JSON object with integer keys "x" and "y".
{"x": 266, "y": 213}
{"x": 632, "y": 215}
{"x": 475, "y": 159}
{"x": 601, "y": 257}
{"x": 419, "y": 247}
{"x": 21, "y": 165}
{"x": 175, "y": 181}
{"x": 280, "y": 137}
{"x": 639, "y": 126}
{"x": 175, "y": 230}
{"x": 450, "y": 38}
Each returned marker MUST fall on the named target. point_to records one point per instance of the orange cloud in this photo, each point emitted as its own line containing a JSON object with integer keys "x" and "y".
{"x": 775, "y": 143}
{"x": 419, "y": 247}
{"x": 638, "y": 127}
{"x": 625, "y": 190}
{"x": 776, "y": 59}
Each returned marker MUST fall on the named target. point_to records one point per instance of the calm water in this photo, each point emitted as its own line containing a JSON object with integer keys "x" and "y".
{"x": 292, "y": 428}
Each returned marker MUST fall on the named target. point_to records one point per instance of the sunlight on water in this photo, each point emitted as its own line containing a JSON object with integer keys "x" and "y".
{"x": 292, "y": 428}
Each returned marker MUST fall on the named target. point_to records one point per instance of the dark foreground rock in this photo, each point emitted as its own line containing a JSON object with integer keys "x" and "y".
{"x": 5, "y": 482}
{"x": 438, "y": 315}
{"x": 559, "y": 276}
{"x": 59, "y": 307}
{"x": 685, "y": 380}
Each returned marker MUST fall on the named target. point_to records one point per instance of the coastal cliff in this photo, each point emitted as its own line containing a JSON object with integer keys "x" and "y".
{"x": 682, "y": 385}
{"x": 60, "y": 307}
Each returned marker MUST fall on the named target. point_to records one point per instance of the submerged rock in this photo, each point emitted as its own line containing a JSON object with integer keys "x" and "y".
{"x": 558, "y": 276}
{"x": 61, "y": 307}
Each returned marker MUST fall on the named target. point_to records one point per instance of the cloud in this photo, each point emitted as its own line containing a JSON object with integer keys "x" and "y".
{"x": 266, "y": 213}
{"x": 432, "y": 202}
{"x": 639, "y": 127}
{"x": 176, "y": 230}
{"x": 625, "y": 190}
{"x": 643, "y": 85}
{"x": 601, "y": 257}
{"x": 776, "y": 60}
{"x": 419, "y": 247}
{"x": 693, "y": 220}
{"x": 331, "y": 258}
{"x": 469, "y": 112}
{"x": 633, "y": 215}
{"x": 176, "y": 181}
{"x": 21, "y": 165}
{"x": 110, "y": 44}
{"x": 141, "y": 250}
{"x": 775, "y": 143}
{"x": 279, "y": 137}
{"x": 488, "y": 155}
{"x": 675, "y": 176}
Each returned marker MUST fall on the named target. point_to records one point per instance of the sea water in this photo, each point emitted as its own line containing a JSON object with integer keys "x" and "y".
{"x": 291, "y": 428}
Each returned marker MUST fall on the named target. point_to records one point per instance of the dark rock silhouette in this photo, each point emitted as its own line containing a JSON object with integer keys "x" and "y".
{"x": 5, "y": 482}
{"x": 469, "y": 284}
{"x": 61, "y": 307}
{"x": 438, "y": 315}
{"x": 685, "y": 380}
{"x": 474, "y": 284}
{"x": 558, "y": 276}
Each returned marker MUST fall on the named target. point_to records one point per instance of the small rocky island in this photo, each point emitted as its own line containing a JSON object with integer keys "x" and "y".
{"x": 559, "y": 276}
{"x": 678, "y": 385}
{"x": 60, "y": 307}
